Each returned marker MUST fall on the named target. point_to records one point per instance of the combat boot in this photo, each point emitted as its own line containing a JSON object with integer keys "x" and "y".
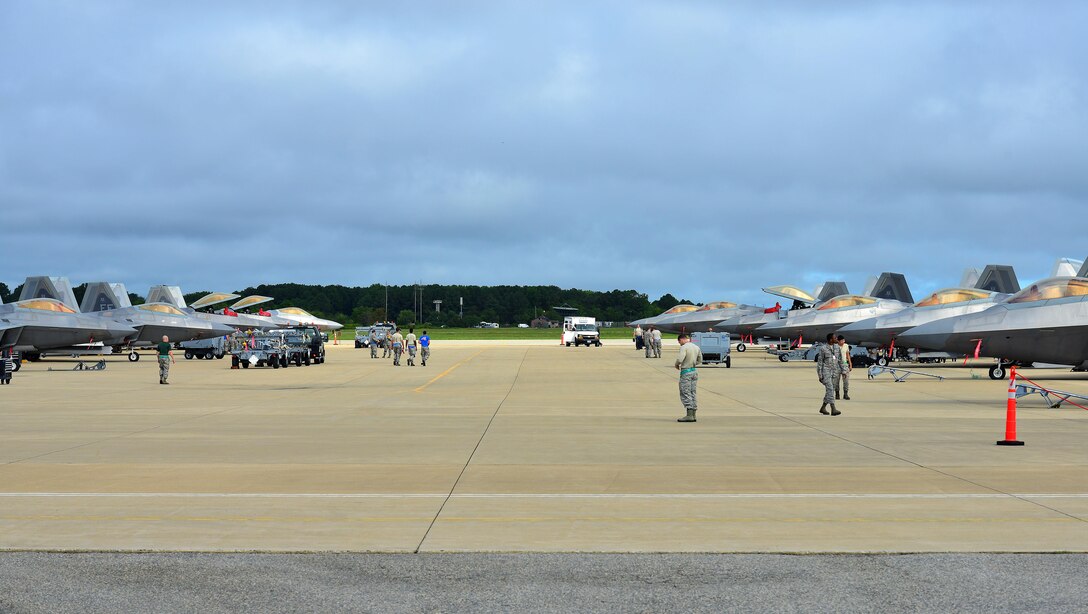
{"x": 845, "y": 397}
{"x": 836, "y": 396}
{"x": 823, "y": 409}
{"x": 834, "y": 412}
{"x": 690, "y": 417}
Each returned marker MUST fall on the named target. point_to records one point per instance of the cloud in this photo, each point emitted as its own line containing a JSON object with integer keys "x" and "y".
{"x": 698, "y": 148}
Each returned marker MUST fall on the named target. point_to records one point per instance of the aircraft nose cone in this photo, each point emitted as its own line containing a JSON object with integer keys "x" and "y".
{"x": 333, "y": 325}
{"x": 929, "y": 336}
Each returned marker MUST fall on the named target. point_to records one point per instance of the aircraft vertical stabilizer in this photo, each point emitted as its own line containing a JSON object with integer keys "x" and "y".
{"x": 831, "y": 289}
{"x": 167, "y": 294}
{"x": 892, "y": 286}
{"x": 1083, "y": 272}
{"x": 103, "y": 296}
{"x": 58, "y": 288}
{"x": 1066, "y": 267}
{"x": 869, "y": 285}
{"x": 970, "y": 278}
{"x": 998, "y": 278}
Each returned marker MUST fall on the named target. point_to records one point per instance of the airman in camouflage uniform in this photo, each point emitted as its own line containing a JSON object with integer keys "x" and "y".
{"x": 374, "y": 343}
{"x": 828, "y": 369}
{"x": 398, "y": 347}
{"x": 648, "y": 341}
{"x": 689, "y": 357}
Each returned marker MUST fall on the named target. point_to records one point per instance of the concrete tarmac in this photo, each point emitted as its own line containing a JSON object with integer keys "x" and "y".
{"x": 38, "y": 582}
{"x": 532, "y": 448}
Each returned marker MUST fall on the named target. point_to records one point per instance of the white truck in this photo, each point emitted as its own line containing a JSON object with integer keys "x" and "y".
{"x": 578, "y": 330}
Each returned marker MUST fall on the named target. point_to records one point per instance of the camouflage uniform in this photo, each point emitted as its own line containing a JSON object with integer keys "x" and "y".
{"x": 410, "y": 343}
{"x": 689, "y": 357}
{"x": 374, "y": 344}
{"x": 657, "y": 343}
{"x": 648, "y": 342}
{"x": 828, "y": 368}
{"x": 387, "y": 346}
{"x": 164, "y": 368}
{"x": 398, "y": 347}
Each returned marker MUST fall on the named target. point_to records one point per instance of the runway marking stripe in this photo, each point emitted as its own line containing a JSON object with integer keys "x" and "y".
{"x": 447, "y": 371}
{"x": 214, "y": 495}
{"x": 513, "y": 519}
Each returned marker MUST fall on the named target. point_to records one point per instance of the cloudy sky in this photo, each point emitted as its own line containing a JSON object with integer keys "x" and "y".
{"x": 700, "y": 148}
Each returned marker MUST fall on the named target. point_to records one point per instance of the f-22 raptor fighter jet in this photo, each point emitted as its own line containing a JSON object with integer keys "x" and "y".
{"x": 1045, "y": 322}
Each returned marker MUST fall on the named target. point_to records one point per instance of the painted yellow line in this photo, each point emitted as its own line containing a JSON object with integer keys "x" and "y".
{"x": 447, "y": 371}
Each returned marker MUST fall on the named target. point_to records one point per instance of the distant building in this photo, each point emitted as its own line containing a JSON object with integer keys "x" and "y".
{"x": 542, "y": 322}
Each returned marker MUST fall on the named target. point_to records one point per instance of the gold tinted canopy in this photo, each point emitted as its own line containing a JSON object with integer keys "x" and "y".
{"x": 295, "y": 311}
{"x": 717, "y": 305}
{"x": 949, "y": 296}
{"x": 45, "y": 304}
{"x": 847, "y": 300}
{"x": 682, "y": 309}
{"x": 161, "y": 308}
{"x": 791, "y": 292}
{"x": 212, "y": 299}
{"x": 1055, "y": 287}
{"x": 251, "y": 301}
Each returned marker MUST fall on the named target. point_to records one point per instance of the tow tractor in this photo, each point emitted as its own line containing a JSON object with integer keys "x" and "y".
{"x": 579, "y": 330}
{"x": 258, "y": 350}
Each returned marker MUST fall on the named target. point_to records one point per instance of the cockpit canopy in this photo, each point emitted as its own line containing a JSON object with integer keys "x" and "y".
{"x": 1048, "y": 289}
{"x": 791, "y": 292}
{"x": 717, "y": 305}
{"x": 294, "y": 311}
{"x": 949, "y": 296}
{"x": 682, "y": 309}
{"x": 846, "y": 300}
{"x": 161, "y": 308}
{"x": 45, "y": 304}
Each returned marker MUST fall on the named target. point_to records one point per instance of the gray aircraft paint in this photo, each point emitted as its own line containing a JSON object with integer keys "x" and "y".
{"x": 172, "y": 295}
{"x": 998, "y": 280}
{"x": 746, "y": 325}
{"x": 27, "y": 329}
{"x": 1049, "y": 331}
{"x": 150, "y": 322}
{"x": 702, "y": 320}
{"x": 101, "y": 296}
{"x": 307, "y": 319}
{"x": 668, "y": 313}
{"x": 891, "y": 294}
{"x": 58, "y": 288}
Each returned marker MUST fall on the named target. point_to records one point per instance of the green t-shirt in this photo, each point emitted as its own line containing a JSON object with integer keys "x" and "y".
{"x": 164, "y": 348}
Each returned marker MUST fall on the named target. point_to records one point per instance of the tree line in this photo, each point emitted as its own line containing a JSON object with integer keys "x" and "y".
{"x": 462, "y": 305}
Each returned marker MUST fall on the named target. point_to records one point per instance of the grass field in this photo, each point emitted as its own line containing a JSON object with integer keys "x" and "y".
{"x": 503, "y": 333}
